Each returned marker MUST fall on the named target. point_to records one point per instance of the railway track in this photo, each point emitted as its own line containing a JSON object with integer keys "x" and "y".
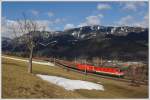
{"x": 70, "y": 68}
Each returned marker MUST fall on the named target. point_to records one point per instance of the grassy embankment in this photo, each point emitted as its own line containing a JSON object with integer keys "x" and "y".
{"x": 17, "y": 83}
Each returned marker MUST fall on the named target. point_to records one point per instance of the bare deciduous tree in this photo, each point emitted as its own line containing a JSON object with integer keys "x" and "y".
{"x": 136, "y": 74}
{"x": 28, "y": 28}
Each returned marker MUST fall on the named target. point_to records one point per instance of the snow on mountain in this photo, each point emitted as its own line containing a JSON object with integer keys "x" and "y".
{"x": 88, "y": 32}
{"x": 113, "y": 30}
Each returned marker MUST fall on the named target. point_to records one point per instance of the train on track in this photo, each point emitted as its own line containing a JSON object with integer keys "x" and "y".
{"x": 91, "y": 68}
{"x": 102, "y": 70}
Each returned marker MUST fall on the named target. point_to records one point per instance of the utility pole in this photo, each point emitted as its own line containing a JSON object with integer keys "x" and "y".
{"x": 75, "y": 60}
{"x": 101, "y": 60}
{"x": 54, "y": 61}
{"x": 85, "y": 67}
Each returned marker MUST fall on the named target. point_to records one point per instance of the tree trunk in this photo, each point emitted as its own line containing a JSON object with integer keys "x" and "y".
{"x": 30, "y": 60}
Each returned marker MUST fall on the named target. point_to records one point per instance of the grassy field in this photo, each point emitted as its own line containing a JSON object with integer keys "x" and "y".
{"x": 17, "y": 83}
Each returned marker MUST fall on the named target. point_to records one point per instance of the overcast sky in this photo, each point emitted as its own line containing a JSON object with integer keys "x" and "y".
{"x": 65, "y": 15}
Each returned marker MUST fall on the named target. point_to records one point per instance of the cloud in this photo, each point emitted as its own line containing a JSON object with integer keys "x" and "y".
{"x": 3, "y": 24}
{"x": 35, "y": 12}
{"x": 131, "y": 21}
{"x": 92, "y": 20}
{"x": 144, "y": 23}
{"x": 100, "y": 15}
{"x": 127, "y": 20}
{"x": 82, "y": 24}
{"x": 133, "y": 6}
{"x": 9, "y": 25}
{"x": 103, "y": 6}
{"x": 7, "y": 28}
{"x": 50, "y": 14}
{"x": 43, "y": 23}
{"x": 130, "y": 6}
{"x": 59, "y": 20}
{"x": 68, "y": 26}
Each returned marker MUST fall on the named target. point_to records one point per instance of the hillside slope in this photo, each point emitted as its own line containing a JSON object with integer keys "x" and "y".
{"x": 126, "y": 43}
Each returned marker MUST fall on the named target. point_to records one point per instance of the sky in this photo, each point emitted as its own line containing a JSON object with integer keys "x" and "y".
{"x": 59, "y": 16}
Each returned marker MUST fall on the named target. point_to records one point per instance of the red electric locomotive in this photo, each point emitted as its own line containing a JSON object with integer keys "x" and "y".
{"x": 103, "y": 70}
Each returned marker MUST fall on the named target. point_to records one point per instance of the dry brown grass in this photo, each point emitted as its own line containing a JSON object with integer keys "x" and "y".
{"x": 17, "y": 83}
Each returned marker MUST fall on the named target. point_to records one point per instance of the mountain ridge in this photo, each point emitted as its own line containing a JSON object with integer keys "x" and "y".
{"x": 90, "y": 41}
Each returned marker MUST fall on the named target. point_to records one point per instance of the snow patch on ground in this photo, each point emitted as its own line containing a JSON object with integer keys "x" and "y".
{"x": 69, "y": 84}
{"x": 35, "y": 62}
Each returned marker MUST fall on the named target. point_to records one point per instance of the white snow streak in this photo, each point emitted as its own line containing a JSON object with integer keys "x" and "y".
{"x": 35, "y": 62}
